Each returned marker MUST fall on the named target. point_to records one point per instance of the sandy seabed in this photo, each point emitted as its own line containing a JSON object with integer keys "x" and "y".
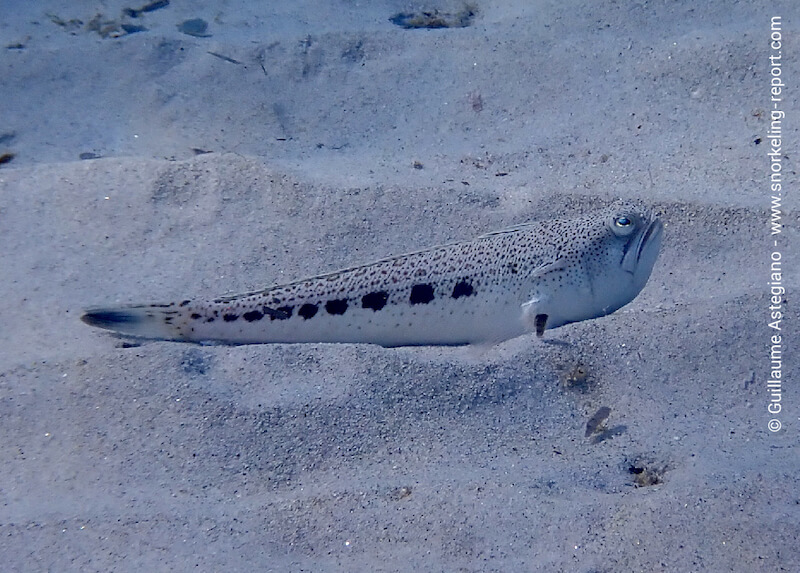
{"x": 278, "y": 143}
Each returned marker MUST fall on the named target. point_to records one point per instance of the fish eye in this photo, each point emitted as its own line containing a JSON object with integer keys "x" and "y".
{"x": 623, "y": 225}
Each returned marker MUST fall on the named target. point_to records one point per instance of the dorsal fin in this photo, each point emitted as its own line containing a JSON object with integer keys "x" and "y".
{"x": 514, "y": 229}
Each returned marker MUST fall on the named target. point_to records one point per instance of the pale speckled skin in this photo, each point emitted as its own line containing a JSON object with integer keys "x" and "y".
{"x": 495, "y": 287}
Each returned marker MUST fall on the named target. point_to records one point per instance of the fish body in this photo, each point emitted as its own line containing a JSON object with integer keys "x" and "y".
{"x": 533, "y": 277}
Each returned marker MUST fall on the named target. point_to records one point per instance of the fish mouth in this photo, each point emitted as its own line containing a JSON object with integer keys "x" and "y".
{"x": 644, "y": 248}
{"x": 651, "y": 235}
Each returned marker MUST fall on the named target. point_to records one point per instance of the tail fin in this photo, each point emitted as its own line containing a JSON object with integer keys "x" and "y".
{"x": 143, "y": 321}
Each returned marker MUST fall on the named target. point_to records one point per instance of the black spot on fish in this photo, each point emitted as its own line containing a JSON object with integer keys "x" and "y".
{"x": 210, "y": 319}
{"x": 281, "y": 313}
{"x": 253, "y": 315}
{"x": 338, "y": 306}
{"x": 375, "y": 300}
{"x": 421, "y": 294}
{"x": 463, "y": 289}
{"x": 195, "y": 316}
{"x": 184, "y": 303}
{"x": 308, "y": 310}
{"x": 230, "y": 317}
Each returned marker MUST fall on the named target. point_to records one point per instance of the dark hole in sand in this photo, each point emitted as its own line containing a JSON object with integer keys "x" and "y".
{"x": 195, "y": 27}
{"x": 434, "y": 19}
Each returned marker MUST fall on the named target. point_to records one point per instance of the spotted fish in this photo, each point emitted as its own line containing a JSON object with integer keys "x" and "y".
{"x": 533, "y": 277}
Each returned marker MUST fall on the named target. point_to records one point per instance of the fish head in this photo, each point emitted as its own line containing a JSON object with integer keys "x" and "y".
{"x": 604, "y": 261}
{"x": 624, "y": 242}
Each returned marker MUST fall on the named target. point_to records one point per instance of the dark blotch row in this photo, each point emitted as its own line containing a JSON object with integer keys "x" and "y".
{"x": 375, "y": 301}
{"x": 281, "y": 313}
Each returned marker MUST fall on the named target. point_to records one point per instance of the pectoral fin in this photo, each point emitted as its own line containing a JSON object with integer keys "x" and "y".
{"x": 535, "y": 313}
{"x": 541, "y": 324}
{"x": 533, "y": 319}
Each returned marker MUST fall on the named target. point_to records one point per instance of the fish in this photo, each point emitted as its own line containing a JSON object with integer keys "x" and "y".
{"x": 533, "y": 277}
